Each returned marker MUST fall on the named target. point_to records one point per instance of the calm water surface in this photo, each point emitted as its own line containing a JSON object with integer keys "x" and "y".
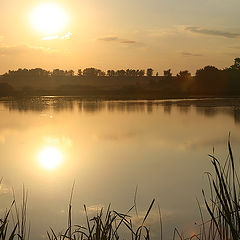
{"x": 108, "y": 148}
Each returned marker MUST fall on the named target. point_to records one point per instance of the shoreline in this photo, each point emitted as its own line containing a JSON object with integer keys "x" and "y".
{"x": 124, "y": 97}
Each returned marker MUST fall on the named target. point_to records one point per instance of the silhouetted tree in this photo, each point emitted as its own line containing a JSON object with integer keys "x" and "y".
{"x": 210, "y": 80}
{"x": 36, "y": 73}
{"x": 100, "y": 73}
{"x": 69, "y": 73}
{"x": 110, "y": 73}
{"x": 149, "y": 72}
{"x": 167, "y": 73}
{"x": 93, "y": 72}
{"x": 120, "y": 73}
{"x": 126, "y": 73}
{"x": 184, "y": 75}
{"x": 236, "y": 65}
{"x": 133, "y": 73}
{"x": 90, "y": 72}
{"x": 58, "y": 72}
{"x": 206, "y": 73}
{"x": 79, "y": 72}
{"x": 141, "y": 73}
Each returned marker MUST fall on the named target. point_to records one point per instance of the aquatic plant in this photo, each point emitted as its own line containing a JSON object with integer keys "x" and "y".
{"x": 223, "y": 204}
{"x": 18, "y": 229}
{"x": 103, "y": 226}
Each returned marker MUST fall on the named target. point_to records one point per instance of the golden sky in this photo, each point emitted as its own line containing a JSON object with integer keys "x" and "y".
{"x": 110, "y": 34}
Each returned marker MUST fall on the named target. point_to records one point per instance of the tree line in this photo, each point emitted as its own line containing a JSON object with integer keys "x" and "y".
{"x": 87, "y": 72}
{"x": 208, "y": 80}
{"x": 202, "y": 74}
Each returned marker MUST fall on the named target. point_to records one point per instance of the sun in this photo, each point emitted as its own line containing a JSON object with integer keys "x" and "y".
{"x": 50, "y": 158}
{"x": 49, "y": 18}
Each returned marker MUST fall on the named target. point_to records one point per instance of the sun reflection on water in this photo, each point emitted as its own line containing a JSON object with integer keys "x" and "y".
{"x": 50, "y": 158}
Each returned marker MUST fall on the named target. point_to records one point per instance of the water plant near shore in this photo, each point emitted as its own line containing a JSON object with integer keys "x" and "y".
{"x": 19, "y": 228}
{"x": 103, "y": 226}
{"x": 223, "y": 205}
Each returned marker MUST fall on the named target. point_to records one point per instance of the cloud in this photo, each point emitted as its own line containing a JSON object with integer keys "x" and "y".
{"x": 64, "y": 141}
{"x": 108, "y": 39}
{"x": 22, "y": 49}
{"x": 92, "y": 210}
{"x": 63, "y": 37}
{"x": 120, "y": 137}
{"x": 117, "y": 40}
{"x": 12, "y": 50}
{"x": 212, "y": 32}
{"x": 235, "y": 47}
{"x": 95, "y": 208}
{"x": 4, "y": 189}
{"x": 67, "y": 35}
{"x": 154, "y": 216}
{"x": 188, "y": 54}
{"x": 201, "y": 142}
{"x": 163, "y": 32}
{"x": 128, "y": 42}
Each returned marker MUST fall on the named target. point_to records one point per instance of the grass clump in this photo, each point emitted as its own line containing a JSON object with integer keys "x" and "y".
{"x": 5, "y": 232}
{"x": 223, "y": 204}
{"x": 103, "y": 226}
{"x": 16, "y": 227}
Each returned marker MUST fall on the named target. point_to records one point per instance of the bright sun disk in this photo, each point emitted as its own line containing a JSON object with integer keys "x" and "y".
{"x": 49, "y": 18}
{"x": 50, "y": 158}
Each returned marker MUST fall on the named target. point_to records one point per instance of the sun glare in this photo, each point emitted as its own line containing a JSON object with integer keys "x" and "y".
{"x": 50, "y": 158}
{"x": 49, "y": 18}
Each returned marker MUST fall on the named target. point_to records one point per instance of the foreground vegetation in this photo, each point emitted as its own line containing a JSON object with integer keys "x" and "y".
{"x": 222, "y": 205}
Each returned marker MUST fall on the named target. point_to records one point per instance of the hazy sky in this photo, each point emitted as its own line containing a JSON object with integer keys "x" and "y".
{"x": 110, "y": 34}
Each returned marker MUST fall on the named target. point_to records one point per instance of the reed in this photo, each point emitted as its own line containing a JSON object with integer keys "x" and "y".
{"x": 103, "y": 226}
{"x": 222, "y": 204}
{"x": 16, "y": 227}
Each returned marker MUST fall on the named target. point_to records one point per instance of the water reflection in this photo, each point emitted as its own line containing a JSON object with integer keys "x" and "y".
{"x": 149, "y": 107}
{"x": 109, "y": 147}
{"x": 92, "y": 107}
{"x": 167, "y": 108}
{"x": 206, "y": 107}
{"x": 207, "y": 111}
{"x": 50, "y": 158}
{"x": 39, "y": 104}
{"x": 236, "y": 112}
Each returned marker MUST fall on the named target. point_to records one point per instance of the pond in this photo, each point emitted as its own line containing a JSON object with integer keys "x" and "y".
{"x": 110, "y": 148}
